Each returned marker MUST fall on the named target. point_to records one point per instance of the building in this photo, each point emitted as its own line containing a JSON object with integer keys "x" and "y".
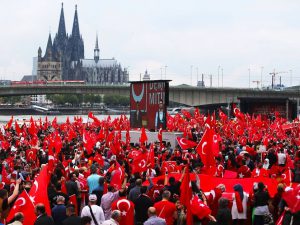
{"x": 64, "y": 59}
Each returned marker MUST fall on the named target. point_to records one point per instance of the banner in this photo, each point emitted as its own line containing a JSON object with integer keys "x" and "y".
{"x": 148, "y": 104}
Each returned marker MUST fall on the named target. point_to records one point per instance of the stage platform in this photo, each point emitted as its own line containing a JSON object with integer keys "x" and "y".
{"x": 152, "y": 137}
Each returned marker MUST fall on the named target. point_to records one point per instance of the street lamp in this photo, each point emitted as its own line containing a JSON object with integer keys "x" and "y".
{"x": 249, "y": 76}
{"x": 191, "y": 75}
{"x": 218, "y": 74}
{"x": 261, "y": 75}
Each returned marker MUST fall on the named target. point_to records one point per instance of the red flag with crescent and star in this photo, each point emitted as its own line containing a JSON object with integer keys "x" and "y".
{"x": 24, "y": 205}
{"x": 39, "y": 191}
{"x": 126, "y": 208}
{"x": 139, "y": 164}
{"x": 185, "y": 143}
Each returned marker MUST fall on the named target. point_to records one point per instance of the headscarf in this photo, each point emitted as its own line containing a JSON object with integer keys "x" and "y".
{"x": 238, "y": 188}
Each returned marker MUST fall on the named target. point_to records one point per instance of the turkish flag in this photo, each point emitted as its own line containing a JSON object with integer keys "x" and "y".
{"x": 143, "y": 137}
{"x": 186, "y": 195}
{"x": 117, "y": 176}
{"x": 292, "y": 198}
{"x": 83, "y": 182}
{"x": 17, "y": 128}
{"x": 222, "y": 116}
{"x": 24, "y": 205}
{"x": 31, "y": 154}
{"x": 9, "y": 123}
{"x": 4, "y": 175}
{"x": 126, "y": 208}
{"x": 73, "y": 200}
{"x": 198, "y": 208}
{"x": 185, "y": 143}
{"x": 39, "y": 191}
{"x": 169, "y": 166}
{"x": 204, "y": 148}
{"x": 160, "y": 137}
{"x": 139, "y": 164}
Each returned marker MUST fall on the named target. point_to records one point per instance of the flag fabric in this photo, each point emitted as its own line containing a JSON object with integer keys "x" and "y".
{"x": 9, "y": 123}
{"x": 198, "y": 208}
{"x": 39, "y": 191}
{"x": 73, "y": 200}
{"x": 292, "y": 198}
{"x": 204, "y": 149}
{"x": 139, "y": 164}
{"x": 143, "y": 137}
{"x": 168, "y": 166}
{"x": 126, "y": 208}
{"x": 185, "y": 143}
{"x": 186, "y": 195}
{"x": 17, "y": 128}
{"x": 24, "y": 205}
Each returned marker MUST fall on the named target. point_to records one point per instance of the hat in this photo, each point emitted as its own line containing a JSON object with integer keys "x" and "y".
{"x": 92, "y": 198}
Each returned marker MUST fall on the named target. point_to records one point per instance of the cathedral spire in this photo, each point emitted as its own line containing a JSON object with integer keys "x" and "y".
{"x": 96, "y": 50}
{"x": 75, "y": 29}
{"x": 62, "y": 27}
{"x": 49, "y": 49}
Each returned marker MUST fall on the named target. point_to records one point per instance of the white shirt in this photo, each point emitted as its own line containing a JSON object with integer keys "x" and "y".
{"x": 97, "y": 211}
{"x": 111, "y": 221}
{"x": 281, "y": 158}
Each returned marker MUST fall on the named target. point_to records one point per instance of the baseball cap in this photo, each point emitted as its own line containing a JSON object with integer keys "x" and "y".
{"x": 92, "y": 198}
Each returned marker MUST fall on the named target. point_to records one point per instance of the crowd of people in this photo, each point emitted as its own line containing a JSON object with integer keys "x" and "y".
{"x": 95, "y": 175}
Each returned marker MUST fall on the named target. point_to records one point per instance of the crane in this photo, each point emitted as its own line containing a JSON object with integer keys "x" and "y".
{"x": 274, "y": 73}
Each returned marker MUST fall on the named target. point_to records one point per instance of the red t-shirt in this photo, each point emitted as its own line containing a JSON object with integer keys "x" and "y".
{"x": 165, "y": 210}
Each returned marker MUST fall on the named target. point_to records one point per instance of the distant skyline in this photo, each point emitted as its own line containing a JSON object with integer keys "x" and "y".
{"x": 167, "y": 37}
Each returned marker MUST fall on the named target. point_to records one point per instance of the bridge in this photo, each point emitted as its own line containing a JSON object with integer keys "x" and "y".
{"x": 185, "y": 94}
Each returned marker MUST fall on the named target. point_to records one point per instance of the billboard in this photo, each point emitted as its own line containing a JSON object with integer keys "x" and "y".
{"x": 148, "y": 104}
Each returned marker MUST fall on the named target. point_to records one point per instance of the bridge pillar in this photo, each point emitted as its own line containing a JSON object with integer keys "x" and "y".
{"x": 297, "y": 107}
{"x": 287, "y": 108}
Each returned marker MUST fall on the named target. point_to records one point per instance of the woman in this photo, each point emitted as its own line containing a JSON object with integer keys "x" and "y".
{"x": 261, "y": 198}
{"x": 239, "y": 205}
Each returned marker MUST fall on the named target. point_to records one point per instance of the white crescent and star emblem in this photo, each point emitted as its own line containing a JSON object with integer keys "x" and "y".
{"x": 142, "y": 163}
{"x": 203, "y": 146}
{"x": 236, "y": 111}
{"x": 35, "y": 188}
{"x": 183, "y": 142}
{"x": 124, "y": 212}
{"x": 137, "y": 98}
{"x": 215, "y": 138}
{"x": 19, "y": 202}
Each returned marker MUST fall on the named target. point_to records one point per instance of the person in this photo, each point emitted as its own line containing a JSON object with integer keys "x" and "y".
{"x": 59, "y": 211}
{"x": 166, "y": 209}
{"x": 160, "y": 117}
{"x": 108, "y": 198}
{"x": 126, "y": 208}
{"x": 153, "y": 218}
{"x": 86, "y": 220}
{"x": 94, "y": 211}
{"x": 6, "y": 200}
{"x": 142, "y": 203}
{"x": 42, "y": 217}
{"x": 72, "y": 218}
{"x": 136, "y": 117}
{"x": 223, "y": 216}
{"x": 18, "y": 219}
{"x": 239, "y": 205}
{"x": 136, "y": 191}
{"x": 261, "y": 198}
{"x": 115, "y": 218}
{"x": 93, "y": 179}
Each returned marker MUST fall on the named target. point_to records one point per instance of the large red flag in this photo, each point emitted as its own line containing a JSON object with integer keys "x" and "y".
{"x": 292, "y": 199}
{"x": 9, "y": 123}
{"x": 139, "y": 164}
{"x": 204, "y": 149}
{"x": 17, "y": 128}
{"x": 198, "y": 208}
{"x": 186, "y": 195}
{"x": 39, "y": 191}
{"x": 24, "y": 205}
{"x": 143, "y": 137}
{"x": 126, "y": 208}
{"x": 185, "y": 143}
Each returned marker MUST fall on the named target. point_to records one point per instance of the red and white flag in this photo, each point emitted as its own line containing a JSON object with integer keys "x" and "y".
{"x": 185, "y": 143}
{"x": 24, "y": 205}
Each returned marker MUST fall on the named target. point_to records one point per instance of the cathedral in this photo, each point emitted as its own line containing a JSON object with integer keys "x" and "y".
{"x": 64, "y": 59}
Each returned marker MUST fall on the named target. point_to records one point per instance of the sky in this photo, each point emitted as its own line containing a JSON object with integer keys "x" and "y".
{"x": 245, "y": 40}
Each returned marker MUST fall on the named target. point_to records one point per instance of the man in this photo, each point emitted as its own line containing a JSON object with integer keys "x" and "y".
{"x": 142, "y": 204}
{"x": 42, "y": 217}
{"x": 93, "y": 179}
{"x": 160, "y": 117}
{"x": 72, "y": 219}
{"x": 153, "y": 219}
{"x": 71, "y": 185}
{"x": 136, "y": 191}
{"x": 111, "y": 196}
{"x": 94, "y": 211}
{"x": 136, "y": 117}
{"x": 85, "y": 220}
{"x": 166, "y": 209}
{"x": 18, "y": 219}
{"x": 126, "y": 208}
{"x": 59, "y": 211}
{"x": 115, "y": 218}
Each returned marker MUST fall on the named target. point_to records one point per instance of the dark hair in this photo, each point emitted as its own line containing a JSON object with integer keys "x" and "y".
{"x": 3, "y": 193}
{"x": 122, "y": 193}
{"x": 261, "y": 186}
{"x": 19, "y": 216}
{"x": 71, "y": 207}
{"x": 223, "y": 203}
{"x": 41, "y": 208}
{"x": 85, "y": 219}
{"x": 172, "y": 180}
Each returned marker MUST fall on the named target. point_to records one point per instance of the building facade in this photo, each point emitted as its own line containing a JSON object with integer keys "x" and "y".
{"x": 64, "y": 59}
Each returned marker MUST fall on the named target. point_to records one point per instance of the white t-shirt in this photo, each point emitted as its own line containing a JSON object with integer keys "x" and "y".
{"x": 97, "y": 211}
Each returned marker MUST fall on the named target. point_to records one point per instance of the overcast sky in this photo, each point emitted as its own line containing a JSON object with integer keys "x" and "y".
{"x": 179, "y": 37}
